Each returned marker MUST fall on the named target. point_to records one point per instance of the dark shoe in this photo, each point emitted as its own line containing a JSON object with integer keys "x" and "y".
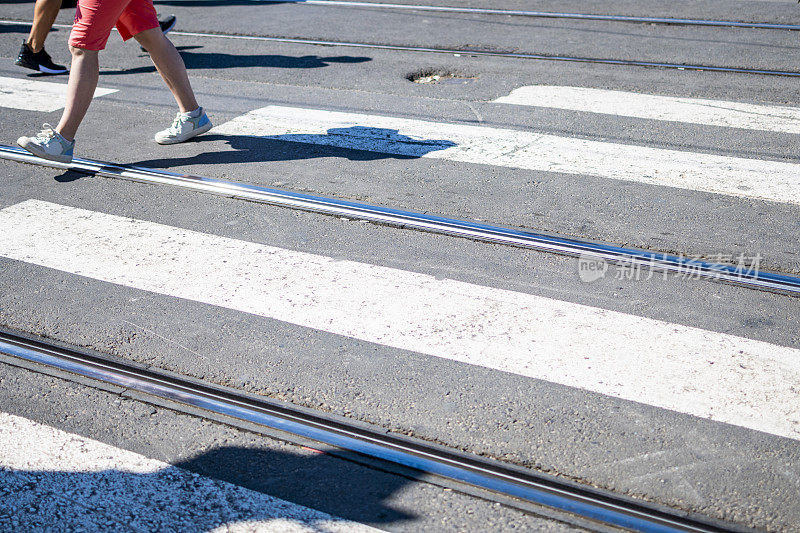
{"x": 39, "y": 61}
{"x": 167, "y": 23}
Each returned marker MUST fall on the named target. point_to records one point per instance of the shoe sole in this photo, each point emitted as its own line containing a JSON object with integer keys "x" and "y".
{"x": 35, "y": 150}
{"x": 52, "y": 71}
{"x": 170, "y": 27}
{"x": 194, "y": 133}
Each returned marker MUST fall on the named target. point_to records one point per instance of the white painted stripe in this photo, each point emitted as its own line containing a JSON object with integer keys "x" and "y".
{"x": 769, "y": 180}
{"x": 32, "y": 95}
{"x": 668, "y": 108}
{"x": 101, "y": 486}
{"x": 712, "y": 375}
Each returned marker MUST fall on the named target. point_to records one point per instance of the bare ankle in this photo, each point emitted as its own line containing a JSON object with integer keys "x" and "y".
{"x": 34, "y": 46}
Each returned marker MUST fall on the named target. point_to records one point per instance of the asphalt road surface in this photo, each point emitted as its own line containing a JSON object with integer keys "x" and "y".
{"x": 673, "y": 390}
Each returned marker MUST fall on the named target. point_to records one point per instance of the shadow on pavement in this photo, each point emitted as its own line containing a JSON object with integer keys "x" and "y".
{"x": 69, "y": 175}
{"x": 356, "y": 143}
{"x": 334, "y": 485}
{"x": 196, "y": 60}
{"x": 215, "y": 60}
{"x": 320, "y": 482}
{"x": 15, "y": 28}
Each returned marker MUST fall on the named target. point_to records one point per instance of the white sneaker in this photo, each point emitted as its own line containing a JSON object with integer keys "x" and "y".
{"x": 48, "y": 144}
{"x": 184, "y": 128}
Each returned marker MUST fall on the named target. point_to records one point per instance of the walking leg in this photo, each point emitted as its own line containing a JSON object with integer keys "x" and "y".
{"x": 80, "y": 90}
{"x": 170, "y": 65}
{"x": 44, "y": 15}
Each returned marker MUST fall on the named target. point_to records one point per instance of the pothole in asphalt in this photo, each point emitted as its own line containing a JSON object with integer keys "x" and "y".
{"x": 439, "y": 75}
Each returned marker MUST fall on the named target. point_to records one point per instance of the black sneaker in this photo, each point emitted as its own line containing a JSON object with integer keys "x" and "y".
{"x": 39, "y": 61}
{"x": 167, "y": 23}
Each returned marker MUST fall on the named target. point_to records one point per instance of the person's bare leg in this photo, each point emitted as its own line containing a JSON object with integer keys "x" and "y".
{"x": 80, "y": 90}
{"x": 170, "y": 65}
{"x": 44, "y": 15}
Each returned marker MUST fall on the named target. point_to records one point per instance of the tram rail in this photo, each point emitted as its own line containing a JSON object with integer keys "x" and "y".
{"x": 740, "y": 275}
{"x": 636, "y": 19}
{"x": 497, "y": 53}
{"x": 471, "y": 51}
{"x": 547, "y": 14}
{"x": 527, "y": 486}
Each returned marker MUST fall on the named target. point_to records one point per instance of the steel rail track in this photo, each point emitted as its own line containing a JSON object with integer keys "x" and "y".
{"x": 671, "y": 21}
{"x": 511, "y": 55}
{"x": 547, "y": 14}
{"x": 522, "y": 484}
{"x": 473, "y": 52}
{"x": 690, "y": 267}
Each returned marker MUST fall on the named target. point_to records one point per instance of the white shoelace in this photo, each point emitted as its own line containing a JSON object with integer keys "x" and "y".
{"x": 47, "y": 133}
{"x": 175, "y": 128}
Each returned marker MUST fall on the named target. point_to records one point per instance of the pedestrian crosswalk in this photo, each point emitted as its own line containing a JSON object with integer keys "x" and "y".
{"x": 33, "y": 95}
{"x": 627, "y": 386}
{"x": 770, "y": 180}
{"x": 722, "y": 113}
{"x": 734, "y": 176}
{"x": 91, "y": 485}
{"x": 642, "y": 360}
{"x": 639, "y": 359}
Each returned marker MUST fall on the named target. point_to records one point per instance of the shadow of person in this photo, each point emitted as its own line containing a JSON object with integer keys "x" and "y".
{"x": 68, "y": 176}
{"x": 332, "y": 484}
{"x": 215, "y": 60}
{"x": 322, "y": 484}
{"x": 196, "y": 60}
{"x": 15, "y": 28}
{"x": 356, "y": 143}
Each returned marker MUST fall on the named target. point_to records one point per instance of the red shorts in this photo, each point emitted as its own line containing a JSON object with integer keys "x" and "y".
{"x": 95, "y": 18}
